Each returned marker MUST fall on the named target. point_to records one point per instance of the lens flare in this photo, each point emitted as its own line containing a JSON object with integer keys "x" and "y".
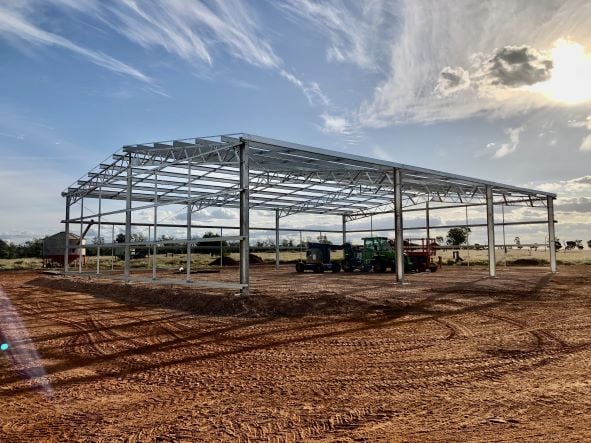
{"x": 21, "y": 352}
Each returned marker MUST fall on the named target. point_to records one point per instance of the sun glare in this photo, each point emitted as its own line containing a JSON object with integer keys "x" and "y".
{"x": 571, "y": 75}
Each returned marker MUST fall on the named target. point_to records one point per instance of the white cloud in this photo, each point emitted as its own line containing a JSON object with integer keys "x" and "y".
{"x": 453, "y": 61}
{"x": 452, "y": 80}
{"x": 513, "y": 66}
{"x": 44, "y": 208}
{"x": 509, "y": 67}
{"x": 335, "y": 124}
{"x": 574, "y": 204}
{"x": 311, "y": 90}
{"x": 580, "y": 123}
{"x": 575, "y": 187}
{"x": 15, "y": 26}
{"x": 586, "y": 144}
{"x": 192, "y": 31}
{"x": 355, "y": 31}
{"x": 510, "y": 146}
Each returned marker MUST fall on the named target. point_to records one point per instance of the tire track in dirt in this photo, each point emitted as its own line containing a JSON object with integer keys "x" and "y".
{"x": 542, "y": 336}
{"x": 457, "y": 330}
{"x": 213, "y": 378}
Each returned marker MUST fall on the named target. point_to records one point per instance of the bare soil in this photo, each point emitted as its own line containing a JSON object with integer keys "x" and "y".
{"x": 450, "y": 356}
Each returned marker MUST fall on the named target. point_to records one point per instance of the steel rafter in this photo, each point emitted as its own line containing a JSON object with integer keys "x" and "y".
{"x": 285, "y": 176}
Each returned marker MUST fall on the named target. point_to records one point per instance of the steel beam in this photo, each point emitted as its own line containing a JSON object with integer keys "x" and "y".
{"x": 551, "y": 234}
{"x": 530, "y": 202}
{"x": 398, "y": 228}
{"x": 490, "y": 224}
{"x": 244, "y": 219}
{"x": 171, "y": 242}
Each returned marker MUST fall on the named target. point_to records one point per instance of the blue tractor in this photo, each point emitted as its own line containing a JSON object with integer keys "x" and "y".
{"x": 318, "y": 259}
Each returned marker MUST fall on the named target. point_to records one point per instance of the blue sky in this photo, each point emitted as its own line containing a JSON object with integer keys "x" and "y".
{"x": 499, "y": 90}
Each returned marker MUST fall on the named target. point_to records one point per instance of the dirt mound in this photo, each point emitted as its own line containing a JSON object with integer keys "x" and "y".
{"x": 528, "y": 262}
{"x": 227, "y": 261}
{"x": 255, "y": 259}
{"x": 220, "y": 303}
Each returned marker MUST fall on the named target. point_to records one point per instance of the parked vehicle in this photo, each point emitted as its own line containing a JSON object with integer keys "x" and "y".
{"x": 376, "y": 254}
{"x": 421, "y": 252}
{"x": 318, "y": 259}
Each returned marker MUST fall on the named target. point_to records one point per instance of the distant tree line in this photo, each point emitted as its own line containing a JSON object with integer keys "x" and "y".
{"x": 31, "y": 249}
{"x": 208, "y": 247}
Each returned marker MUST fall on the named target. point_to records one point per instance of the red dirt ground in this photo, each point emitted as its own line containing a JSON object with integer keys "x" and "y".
{"x": 450, "y": 356}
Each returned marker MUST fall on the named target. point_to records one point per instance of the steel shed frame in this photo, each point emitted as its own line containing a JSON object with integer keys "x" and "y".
{"x": 250, "y": 172}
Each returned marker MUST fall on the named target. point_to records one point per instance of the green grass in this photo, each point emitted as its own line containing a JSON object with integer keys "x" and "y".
{"x": 21, "y": 263}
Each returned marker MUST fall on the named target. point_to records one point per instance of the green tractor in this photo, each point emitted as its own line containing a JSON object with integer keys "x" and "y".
{"x": 376, "y": 254}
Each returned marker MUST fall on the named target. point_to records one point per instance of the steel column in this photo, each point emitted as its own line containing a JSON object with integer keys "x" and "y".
{"x": 398, "y": 226}
{"x": 344, "y": 229}
{"x": 467, "y": 238}
{"x": 427, "y": 221}
{"x": 128, "y": 220}
{"x": 67, "y": 253}
{"x": 98, "y": 249}
{"x": 189, "y": 221}
{"x": 80, "y": 239}
{"x": 551, "y": 234}
{"x": 276, "y": 238}
{"x": 490, "y": 228}
{"x": 244, "y": 218}
{"x": 504, "y": 238}
{"x": 154, "y": 247}
{"x": 112, "y": 248}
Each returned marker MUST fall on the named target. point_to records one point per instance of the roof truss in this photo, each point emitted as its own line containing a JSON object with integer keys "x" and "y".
{"x": 283, "y": 176}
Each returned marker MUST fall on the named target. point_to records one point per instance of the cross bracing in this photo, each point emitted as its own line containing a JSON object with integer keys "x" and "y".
{"x": 256, "y": 173}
